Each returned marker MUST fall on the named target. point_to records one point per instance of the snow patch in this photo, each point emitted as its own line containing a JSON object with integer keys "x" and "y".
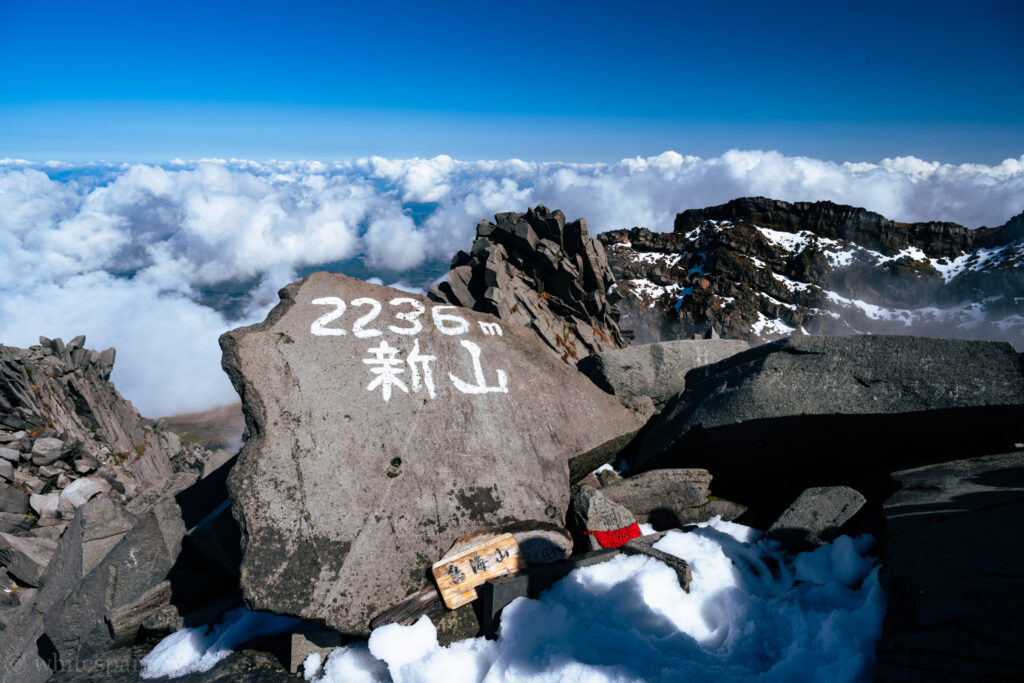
{"x": 766, "y": 326}
{"x": 790, "y": 241}
{"x": 753, "y": 613}
{"x": 199, "y": 649}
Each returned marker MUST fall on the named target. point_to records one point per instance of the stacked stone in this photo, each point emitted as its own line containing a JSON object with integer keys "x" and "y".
{"x": 536, "y": 270}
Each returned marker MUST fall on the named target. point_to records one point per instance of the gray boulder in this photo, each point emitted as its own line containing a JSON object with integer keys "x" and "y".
{"x": 670, "y": 498}
{"x": 645, "y": 378}
{"x": 13, "y": 500}
{"x": 10, "y": 454}
{"x": 80, "y": 491}
{"x": 81, "y": 625}
{"x": 46, "y": 451}
{"x": 953, "y": 568}
{"x": 384, "y": 425}
{"x": 26, "y": 558}
{"x": 818, "y": 411}
{"x": 11, "y": 523}
{"x": 816, "y": 516}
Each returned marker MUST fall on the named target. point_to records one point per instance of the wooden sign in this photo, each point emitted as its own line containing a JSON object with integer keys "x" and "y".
{"x": 458, "y": 575}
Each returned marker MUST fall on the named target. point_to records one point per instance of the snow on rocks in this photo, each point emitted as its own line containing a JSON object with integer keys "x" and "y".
{"x": 835, "y": 269}
{"x": 753, "y": 612}
{"x": 199, "y": 649}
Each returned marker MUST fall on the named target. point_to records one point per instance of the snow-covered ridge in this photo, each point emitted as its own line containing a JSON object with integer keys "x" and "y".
{"x": 781, "y": 280}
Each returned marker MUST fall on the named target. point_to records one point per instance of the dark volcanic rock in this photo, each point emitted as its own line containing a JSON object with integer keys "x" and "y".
{"x": 816, "y": 517}
{"x": 850, "y": 223}
{"x": 670, "y": 498}
{"x": 533, "y": 269}
{"x": 953, "y": 568}
{"x": 762, "y": 269}
{"x": 379, "y": 436}
{"x": 644, "y": 378}
{"x": 818, "y": 411}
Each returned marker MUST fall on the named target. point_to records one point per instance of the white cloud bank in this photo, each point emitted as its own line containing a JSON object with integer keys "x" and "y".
{"x": 140, "y": 256}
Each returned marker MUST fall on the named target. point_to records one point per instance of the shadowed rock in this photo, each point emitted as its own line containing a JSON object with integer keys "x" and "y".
{"x": 820, "y": 411}
{"x": 815, "y": 517}
{"x": 645, "y": 378}
{"x": 953, "y": 568}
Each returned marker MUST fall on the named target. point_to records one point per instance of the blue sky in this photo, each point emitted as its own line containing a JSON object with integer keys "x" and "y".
{"x": 588, "y": 81}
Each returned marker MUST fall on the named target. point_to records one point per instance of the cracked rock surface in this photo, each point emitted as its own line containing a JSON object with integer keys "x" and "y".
{"x": 822, "y": 411}
{"x": 361, "y": 469}
{"x": 536, "y": 270}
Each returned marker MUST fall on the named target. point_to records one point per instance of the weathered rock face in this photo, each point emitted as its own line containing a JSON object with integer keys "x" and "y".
{"x": 762, "y": 269}
{"x": 953, "y": 568}
{"x": 61, "y": 399}
{"x": 645, "y": 377}
{"x": 89, "y": 516}
{"x": 382, "y": 426}
{"x": 819, "y": 411}
{"x": 534, "y": 269}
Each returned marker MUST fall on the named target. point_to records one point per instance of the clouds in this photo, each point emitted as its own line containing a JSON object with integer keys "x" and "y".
{"x": 157, "y": 260}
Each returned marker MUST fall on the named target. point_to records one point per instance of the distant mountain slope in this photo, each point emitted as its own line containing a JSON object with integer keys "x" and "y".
{"x": 757, "y": 268}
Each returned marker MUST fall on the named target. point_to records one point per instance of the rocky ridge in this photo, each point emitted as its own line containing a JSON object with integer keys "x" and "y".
{"x": 93, "y": 510}
{"x": 536, "y": 270}
{"x": 761, "y": 269}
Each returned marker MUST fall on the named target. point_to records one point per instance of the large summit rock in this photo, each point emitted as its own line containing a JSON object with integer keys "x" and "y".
{"x": 822, "y": 411}
{"x": 382, "y": 426}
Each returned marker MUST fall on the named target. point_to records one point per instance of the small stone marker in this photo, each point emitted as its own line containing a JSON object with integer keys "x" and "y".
{"x": 459, "y": 575}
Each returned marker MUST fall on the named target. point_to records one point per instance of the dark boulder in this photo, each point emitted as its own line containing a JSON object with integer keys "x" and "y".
{"x": 953, "y": 568}
{"x": 670, "y": 498}
{"x": 820, "y": 411}
{"x": 644, "y": 378}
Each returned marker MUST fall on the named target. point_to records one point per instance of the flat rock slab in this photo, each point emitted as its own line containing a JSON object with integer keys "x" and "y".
{"x": 820, "y": 411}
{"x": 953, "y": 568}
{"x": 816, "y": 516}
{"x": 384, "y": 425}
{"x": 654, "y": 371}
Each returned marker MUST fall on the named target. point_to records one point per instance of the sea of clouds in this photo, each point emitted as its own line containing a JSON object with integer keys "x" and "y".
{"x": 159, "y": 260}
